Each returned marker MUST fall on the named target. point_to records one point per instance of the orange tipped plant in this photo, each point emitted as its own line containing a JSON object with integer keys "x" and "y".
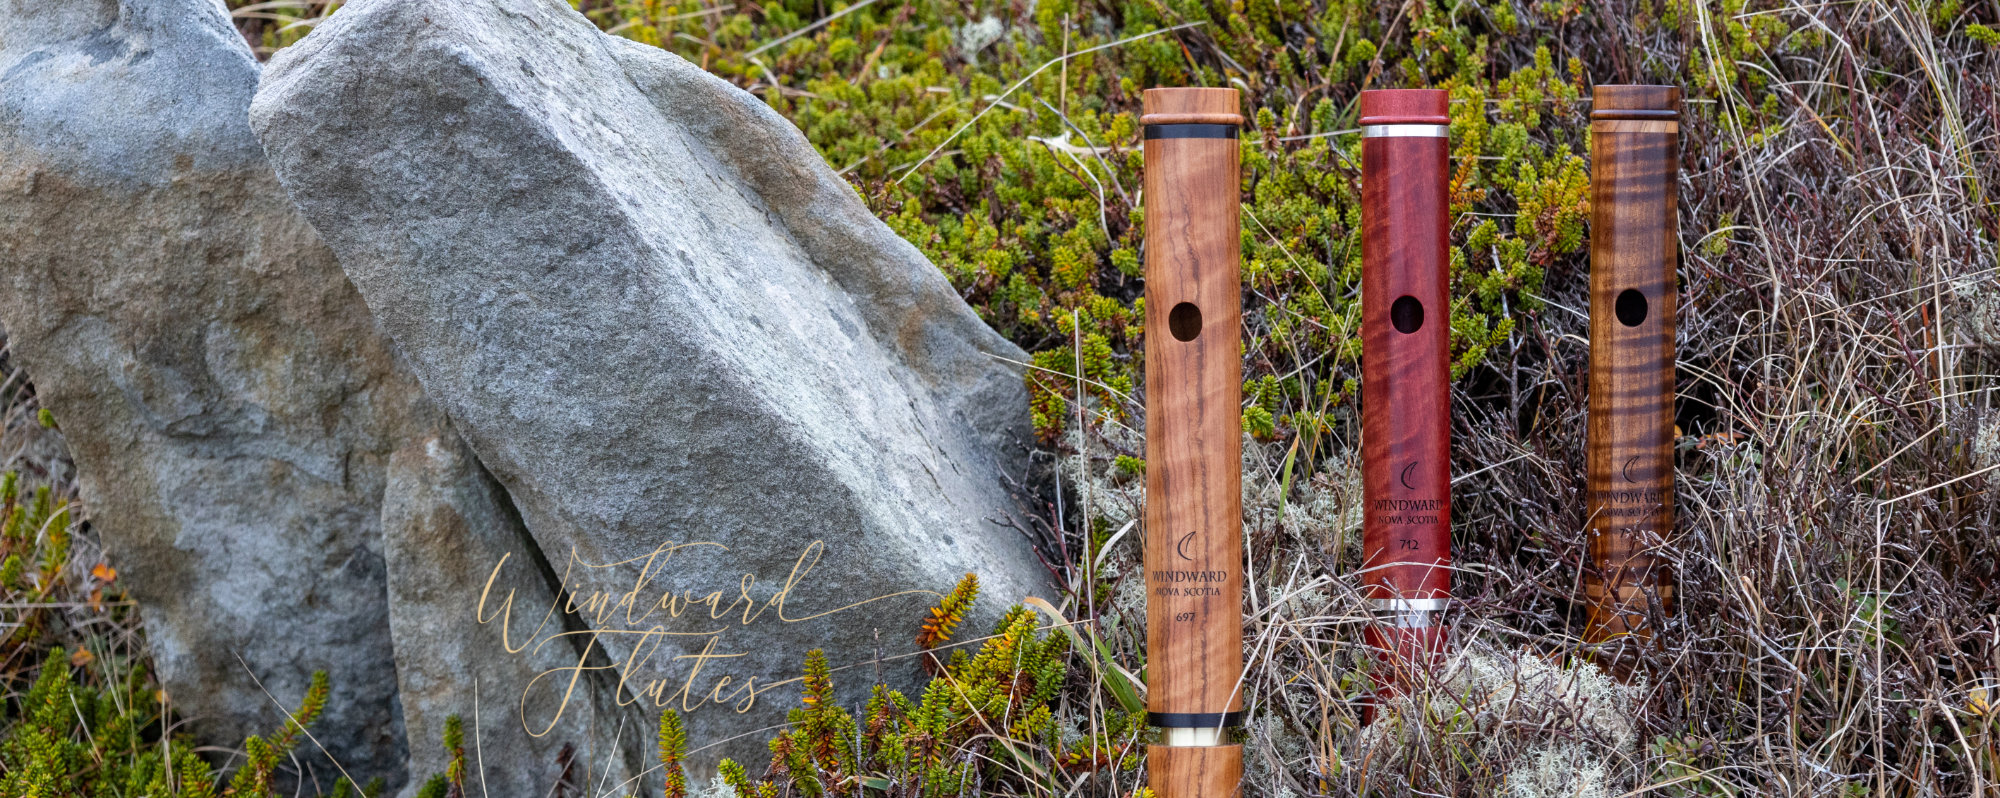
{"x": 673, "y": 751}
{"x": 950, "y": 610}
{"x": 987, "y": 717}
{"x": 944, "y": 619}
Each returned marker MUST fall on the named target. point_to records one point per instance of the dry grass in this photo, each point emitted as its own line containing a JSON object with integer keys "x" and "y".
{"x": 1839, "y": 631}
{"x": 1836, "y": 545}
{"x": 65, "y": 611}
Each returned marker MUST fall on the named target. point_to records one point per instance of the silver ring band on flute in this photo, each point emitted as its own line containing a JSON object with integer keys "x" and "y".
{"x": 1409, "y": 604}
{"x": 1407, "y": 613}
{"x": 1406, "y": 131}
{"x": 1193, "y": 521}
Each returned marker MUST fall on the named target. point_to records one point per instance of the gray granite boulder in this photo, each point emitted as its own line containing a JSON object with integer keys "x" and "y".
{"x": 441, "y": 508}
{"x": 740, "y": 417}
{"x": 229, "y": 403}
{"x": 246, "y": 438}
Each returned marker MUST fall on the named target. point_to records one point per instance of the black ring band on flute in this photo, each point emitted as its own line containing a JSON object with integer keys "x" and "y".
{"x": 1194, "y": 720}
{"x": 1191, "y": 131}
{"x": 1194, "y": 486}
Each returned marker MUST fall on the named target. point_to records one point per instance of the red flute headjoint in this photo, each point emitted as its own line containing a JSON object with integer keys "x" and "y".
{"x": 1634, "y": 246}
{"x": 1194, "y": 477}
{"x": 1405, "y": 393}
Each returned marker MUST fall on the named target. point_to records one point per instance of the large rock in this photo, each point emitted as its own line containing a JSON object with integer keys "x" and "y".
{"x": 658, "y": 317}
{"x": 230, "y": 404}
{"x": 443, "y": 509}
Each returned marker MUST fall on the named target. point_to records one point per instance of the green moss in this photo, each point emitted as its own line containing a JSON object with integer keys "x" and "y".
{"x": 1017, "y": 170}
{"x": 1018, "y": 174}
{"x": 673, "y": 752}
{"x": 990, "y": 711}
{"x": 91, "y": 722}
{"x": 75, "y": 733}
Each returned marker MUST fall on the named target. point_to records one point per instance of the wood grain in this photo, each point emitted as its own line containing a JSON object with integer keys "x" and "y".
{"x": 1634, "y": 248}
{"x": 1195, "y": 772}
{"x": 1405, "y": 402}
{"x": 1190, "y": 106}
{"x": 1405, "y": 393}
{"x": 1194, "y": 495}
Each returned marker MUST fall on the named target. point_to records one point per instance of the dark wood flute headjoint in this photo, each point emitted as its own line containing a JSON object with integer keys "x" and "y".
{"x": 1405, "y": 107}
{"x": 1629, "y": 460}
{"x": 1636, "y": 102}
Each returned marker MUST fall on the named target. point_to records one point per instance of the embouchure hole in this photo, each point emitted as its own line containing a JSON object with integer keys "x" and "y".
{"x": 1407, "y": 314}
{"x": 1631, "y": 307}
{"x": 1184, "y": 321}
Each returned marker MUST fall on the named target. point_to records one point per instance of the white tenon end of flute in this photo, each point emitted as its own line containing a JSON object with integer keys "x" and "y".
{"x": 1206, "y": 735}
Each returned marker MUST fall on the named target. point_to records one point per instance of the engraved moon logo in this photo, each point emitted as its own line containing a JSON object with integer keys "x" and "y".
{"x": 1405, "y": 476}
{"x": 1627, "y": 468}
{"x": 1180, "y": 548}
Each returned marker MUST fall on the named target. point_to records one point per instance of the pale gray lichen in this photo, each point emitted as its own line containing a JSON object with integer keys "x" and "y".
{"x": 1271, "y": 751}
{"x": 715, "y": 788}
{"x": 976, "y": 36}
{"x": 1559, "y": 770}
{"x": 1977, "y": 312}
{"x": 1986, "y": 445}
{"x": 1092, "y": 478}
{"x": 1555, "y": 730}
{"x": 1321, "y": 509}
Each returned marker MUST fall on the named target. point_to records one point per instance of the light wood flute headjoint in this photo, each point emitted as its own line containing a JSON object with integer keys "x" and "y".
{"x": 1194, "y": 512}
{"x": 1191, "y": 106}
